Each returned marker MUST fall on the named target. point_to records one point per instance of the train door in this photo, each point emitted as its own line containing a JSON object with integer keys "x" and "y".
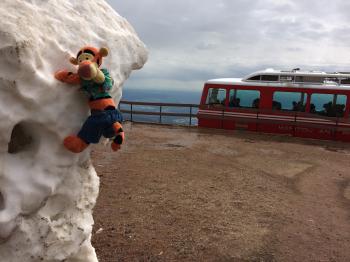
{"x": 343, "y": 121}
{"x": 285, "y": 107}
{"x": 242, "y": 109}
{"x": 212, "y": 107}
{"x": 321, "y": 121}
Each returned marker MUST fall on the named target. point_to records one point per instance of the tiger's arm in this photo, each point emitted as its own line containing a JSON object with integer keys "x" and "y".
{"x": 108, "y": 80}
{"x": 67, "y": 77}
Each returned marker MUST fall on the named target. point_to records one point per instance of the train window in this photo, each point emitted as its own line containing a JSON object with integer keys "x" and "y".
{"x": 290, "y": 101}
{"x": 309, "y": 79}
{"x": 269, "y": 78}
{"x": 216, "y": 96}
{"x": 328, "y": 105}
{"x": 254, "y": 78}
{"x": 345, "y": 81}
{"x": 286, "y": 78}
{"x": 244, "y": 98}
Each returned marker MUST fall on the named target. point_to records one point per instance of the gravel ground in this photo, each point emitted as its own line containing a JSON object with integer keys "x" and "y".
{"x": 188, "y": 194}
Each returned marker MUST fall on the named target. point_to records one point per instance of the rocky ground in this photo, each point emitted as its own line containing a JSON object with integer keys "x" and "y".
{"x": 186, "y": 194}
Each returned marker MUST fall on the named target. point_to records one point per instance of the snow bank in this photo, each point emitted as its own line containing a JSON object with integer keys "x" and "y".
{"x": 47, "y": 193}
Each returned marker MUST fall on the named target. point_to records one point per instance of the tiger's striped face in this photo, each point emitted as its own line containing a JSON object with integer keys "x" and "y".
{"x": 85, "y": 57}
{"x": 89, "y": 54}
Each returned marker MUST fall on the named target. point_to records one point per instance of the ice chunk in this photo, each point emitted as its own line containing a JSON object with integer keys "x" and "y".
{"x": 46, "y": 192}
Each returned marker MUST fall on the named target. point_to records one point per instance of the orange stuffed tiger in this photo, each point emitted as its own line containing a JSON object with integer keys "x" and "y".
{"x": 105, "y": 119}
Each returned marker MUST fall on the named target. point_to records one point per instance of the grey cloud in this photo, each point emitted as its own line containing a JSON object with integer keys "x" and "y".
{"x": 295, "y": 30}
{"x": 342, "y": 34}
{"x": 205, "y": 46}
{"x": 194, "y": 40}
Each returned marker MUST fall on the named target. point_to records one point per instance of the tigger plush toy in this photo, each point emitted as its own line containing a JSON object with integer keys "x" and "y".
{"x": 105, "y": 119}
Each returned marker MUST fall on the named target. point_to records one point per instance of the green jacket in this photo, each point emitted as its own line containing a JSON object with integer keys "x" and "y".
{"x": 95, "y": 90}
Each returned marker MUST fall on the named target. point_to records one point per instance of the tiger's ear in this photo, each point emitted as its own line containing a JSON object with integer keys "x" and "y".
{"x": 73, "y": 61}
{"x": 103, "y": 51}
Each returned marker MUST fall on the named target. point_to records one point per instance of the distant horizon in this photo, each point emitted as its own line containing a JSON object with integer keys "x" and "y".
{"x": 162, "y": 95}
{"x": 165, "y": 89}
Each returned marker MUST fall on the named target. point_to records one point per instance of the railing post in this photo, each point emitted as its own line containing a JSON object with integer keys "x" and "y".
{"x": 160, "y": 114}
{"x": 222, "y": 118}
{"x": 131, "y": 112}
{"x": 336, "y": 129}
{"x": 190, "y": 115}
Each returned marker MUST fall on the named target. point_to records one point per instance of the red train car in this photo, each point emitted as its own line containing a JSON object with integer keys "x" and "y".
{"x": 306, "y": 104}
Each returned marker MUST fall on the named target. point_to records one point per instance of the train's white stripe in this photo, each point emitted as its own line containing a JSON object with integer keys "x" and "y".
{"x": 265, "y": 115}
{"x": 278, "y": 118}
{"x": 225, "y": 113}
{"x": 209, "y": 112}
{"x": 234, "y": 114}
{"x": 314, "y": 122}
{"x": 316, "y": 119}
{"x": 240, "y": 114}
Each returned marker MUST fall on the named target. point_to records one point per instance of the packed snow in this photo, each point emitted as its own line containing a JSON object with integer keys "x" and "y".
{"x": 47, "y": 193}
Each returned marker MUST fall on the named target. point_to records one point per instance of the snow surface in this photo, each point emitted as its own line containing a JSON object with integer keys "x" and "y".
{"x": 47, "y": 193}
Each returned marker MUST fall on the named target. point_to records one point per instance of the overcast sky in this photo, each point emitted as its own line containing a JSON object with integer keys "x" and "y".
{"x": 191, "y": 41}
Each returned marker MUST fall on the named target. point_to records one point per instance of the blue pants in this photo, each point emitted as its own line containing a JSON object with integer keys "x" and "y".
{"x": 100, "y": 124}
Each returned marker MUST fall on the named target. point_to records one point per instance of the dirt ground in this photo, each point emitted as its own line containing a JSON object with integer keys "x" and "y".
{"x": 186, "y": 194}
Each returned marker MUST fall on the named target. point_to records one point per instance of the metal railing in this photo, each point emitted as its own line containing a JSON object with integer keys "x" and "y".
{"x": 159, "y": 112}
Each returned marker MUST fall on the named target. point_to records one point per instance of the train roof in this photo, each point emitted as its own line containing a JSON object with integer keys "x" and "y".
{"x": 293, "y": 78}
{"x": 298, "y": 72}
